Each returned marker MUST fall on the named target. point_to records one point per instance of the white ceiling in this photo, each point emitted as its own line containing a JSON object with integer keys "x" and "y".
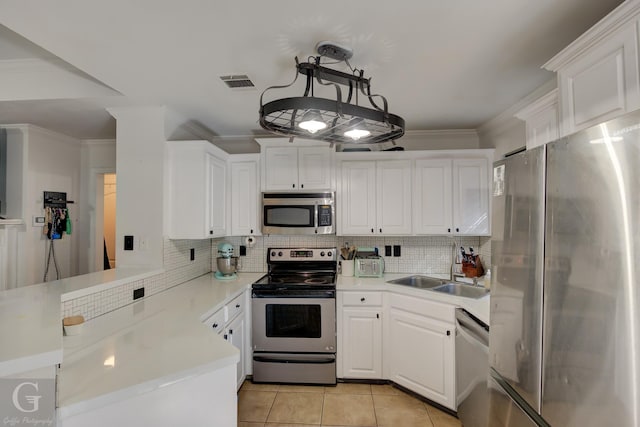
{"x": 441, "y": 64}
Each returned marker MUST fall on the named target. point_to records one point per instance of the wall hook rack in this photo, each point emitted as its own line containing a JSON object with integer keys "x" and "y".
{"x": 55, "y": 199}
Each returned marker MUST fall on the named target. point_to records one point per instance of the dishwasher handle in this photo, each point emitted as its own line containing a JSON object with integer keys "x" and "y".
{"x": 472, "y": 326}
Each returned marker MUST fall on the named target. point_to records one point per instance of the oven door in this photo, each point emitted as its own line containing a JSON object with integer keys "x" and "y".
{"x": 295, "y": 323}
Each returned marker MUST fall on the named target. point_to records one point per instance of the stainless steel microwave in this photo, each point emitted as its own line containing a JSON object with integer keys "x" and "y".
{"x": 298, "y": 213}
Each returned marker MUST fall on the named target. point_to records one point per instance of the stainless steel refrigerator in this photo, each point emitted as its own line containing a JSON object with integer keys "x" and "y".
{"x": 565, "y": 312}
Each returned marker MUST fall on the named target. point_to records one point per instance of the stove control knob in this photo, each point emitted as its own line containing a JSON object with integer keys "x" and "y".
{"x": 273, "y": 253}
{"x": 322, "y": 253}
{"x": 279, "y": 253}
{"x": 328, "y": 254}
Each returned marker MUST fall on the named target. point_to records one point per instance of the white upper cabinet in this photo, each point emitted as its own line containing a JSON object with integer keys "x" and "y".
{"x": 244, "y": 194}
{"x": 375, "y": 197}
{"x": 541, "y": 120}
{"x": 196, "y": 190}
{"x": 598, "y": 76}
{"x": 296, "y": 166}
{"x": 452, "y": 196}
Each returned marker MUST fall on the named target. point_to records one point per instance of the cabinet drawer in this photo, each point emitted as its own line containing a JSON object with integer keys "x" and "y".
{"x": 216, "y": 322}
{"x": 362, "y": 298}
{"x": 423, "y": 307}
{"x": 235, "y": 307}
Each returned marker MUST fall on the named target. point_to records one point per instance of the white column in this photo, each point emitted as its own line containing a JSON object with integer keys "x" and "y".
{"x": 140, "y": 142}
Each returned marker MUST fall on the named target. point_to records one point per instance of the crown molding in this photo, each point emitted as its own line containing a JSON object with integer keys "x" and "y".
{"x": 620, "y": 16}
{"x": 538, "y": 105}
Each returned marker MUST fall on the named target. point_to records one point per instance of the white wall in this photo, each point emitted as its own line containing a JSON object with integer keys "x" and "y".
{"x": 52, "y": 164}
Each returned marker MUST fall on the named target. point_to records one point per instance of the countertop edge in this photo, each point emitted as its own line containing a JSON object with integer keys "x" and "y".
{"x": 31, "y": 362}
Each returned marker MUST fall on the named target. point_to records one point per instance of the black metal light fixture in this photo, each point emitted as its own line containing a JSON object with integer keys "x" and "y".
{"x": 333, "y": 120}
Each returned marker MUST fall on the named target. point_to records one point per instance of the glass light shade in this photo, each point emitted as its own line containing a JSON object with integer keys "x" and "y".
{"x": 358, "y": 130}
{"x": 312, "y": 121}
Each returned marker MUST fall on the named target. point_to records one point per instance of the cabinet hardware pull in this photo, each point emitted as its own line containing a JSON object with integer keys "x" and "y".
{"x": 251, "y": 231}
{"x": 237, "y": 305}
{"x": 293, "y": 185}
{"x": 301, "y": 185}
{"x": 226, "y": 337}
{"x": 457, "y": 230}
{"x": 381, "y": 230}
{"x": 448, "y": 230}
{"x": 362, "y": 299}
{"x": 372, "y": 230}
{"x": 448, "y": 333}
{"x": 377, "y": 315}
{"x": 210, "y": 231}
{"x": 231, "y": 331}
{"x": 215, "y": 325}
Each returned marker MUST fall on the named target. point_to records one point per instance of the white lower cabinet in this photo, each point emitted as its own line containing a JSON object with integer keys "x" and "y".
{"x": 235, "y": 334}
{"x": 360, "y": 335}
{"x": 406, "y": 339}
{"x": 231, "y": 322}
{"x": 422, "y": 356}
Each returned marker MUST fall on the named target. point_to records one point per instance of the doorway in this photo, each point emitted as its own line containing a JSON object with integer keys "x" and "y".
{"x": 109, "y": 221}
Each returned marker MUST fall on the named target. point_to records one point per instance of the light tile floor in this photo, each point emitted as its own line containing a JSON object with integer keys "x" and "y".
{"x": 347, "y": 404}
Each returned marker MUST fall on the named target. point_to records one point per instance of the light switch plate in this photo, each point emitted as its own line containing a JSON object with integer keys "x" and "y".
{"x": 38, "y": 221}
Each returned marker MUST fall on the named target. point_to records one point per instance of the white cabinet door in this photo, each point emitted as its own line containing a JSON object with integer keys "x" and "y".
{"x": 362, "y": 343}
{"x": 235, "y": 334}
{"x": 393, "y": 181}
{"x": 197, "y": 190}
{"x": 281, "y": 168}
{"x": 217, "y": 174}
{"x": 422, "y": 356}
{"x": 314, "y": 168}
{"x": 358, "y": 197}
{"x": 433, "y": 201}
{"x": 244, "y": 198}
{"x": 452, "y": 197}
{"x": 471, "y": 215}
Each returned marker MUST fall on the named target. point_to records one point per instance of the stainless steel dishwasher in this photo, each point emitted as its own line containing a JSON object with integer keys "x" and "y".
{"x": 472, "y": 368}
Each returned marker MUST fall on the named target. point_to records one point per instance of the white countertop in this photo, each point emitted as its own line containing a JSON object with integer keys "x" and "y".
{"x": 158, "y": 340}
{"x": 478, "y": 307}
{"x": 31, "y": 322}
{"x": 30, "y": 329}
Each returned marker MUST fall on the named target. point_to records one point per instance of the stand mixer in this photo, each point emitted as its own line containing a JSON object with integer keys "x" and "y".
{"x": 226, "y": 262}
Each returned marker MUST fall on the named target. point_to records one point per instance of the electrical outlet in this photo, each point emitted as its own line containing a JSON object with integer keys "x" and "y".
{"x": 192, "y": 254}
{"x": 387, "y": 250}
{"x": 138, "y": 293}
{"x": 243, "y": 250}
{"x": 396, "y": 250}
{"x": 128, "y": 243}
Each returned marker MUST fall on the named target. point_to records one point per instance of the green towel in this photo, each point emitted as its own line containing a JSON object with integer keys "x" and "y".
{"x": 68, "y": 230}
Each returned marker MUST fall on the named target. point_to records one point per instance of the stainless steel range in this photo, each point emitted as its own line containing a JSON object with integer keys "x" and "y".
{"x": 294, "y": 317}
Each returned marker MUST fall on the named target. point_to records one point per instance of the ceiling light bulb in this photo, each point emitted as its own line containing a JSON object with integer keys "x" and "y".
{"x": 358, "y": 130}
{"x": 312, "y": 121}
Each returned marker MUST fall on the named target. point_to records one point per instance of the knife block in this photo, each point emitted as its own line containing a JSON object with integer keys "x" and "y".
{"x": 471, "y": 270}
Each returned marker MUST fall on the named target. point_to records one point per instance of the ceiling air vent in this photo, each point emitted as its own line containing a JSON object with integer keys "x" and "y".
{"x": 239, "y": 81}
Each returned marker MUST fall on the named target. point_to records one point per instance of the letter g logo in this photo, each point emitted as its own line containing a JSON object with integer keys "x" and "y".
{"x": 33, "y": 400}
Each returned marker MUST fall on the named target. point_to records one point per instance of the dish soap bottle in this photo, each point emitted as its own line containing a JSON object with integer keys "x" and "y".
{"x": 487, "y": 279}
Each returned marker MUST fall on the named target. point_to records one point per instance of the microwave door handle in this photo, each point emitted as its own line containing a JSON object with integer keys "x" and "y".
{"x": 315, "y": 215}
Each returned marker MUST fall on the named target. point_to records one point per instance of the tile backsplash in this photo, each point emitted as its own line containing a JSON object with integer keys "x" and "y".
{"x": 178, "y": 268}
{"x": 422, "y": 254}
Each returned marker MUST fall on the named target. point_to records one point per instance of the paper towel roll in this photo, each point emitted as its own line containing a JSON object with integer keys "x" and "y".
{"x": 250, "y": 241}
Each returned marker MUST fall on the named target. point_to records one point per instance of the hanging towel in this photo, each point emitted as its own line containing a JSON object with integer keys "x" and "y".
{"x": 68, "y": 231}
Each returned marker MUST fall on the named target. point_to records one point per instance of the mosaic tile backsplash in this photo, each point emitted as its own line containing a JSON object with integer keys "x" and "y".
{"x": 422, "y": 254}
{"x": 178, "y": 269}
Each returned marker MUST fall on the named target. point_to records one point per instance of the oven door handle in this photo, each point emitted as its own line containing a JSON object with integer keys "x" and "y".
{"x": 294, "y": 294}
{"x": 293, "y": 359}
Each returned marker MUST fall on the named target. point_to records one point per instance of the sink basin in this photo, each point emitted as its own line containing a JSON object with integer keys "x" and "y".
{"x": 460, "y": 290}
{"x": 420, "y": 282}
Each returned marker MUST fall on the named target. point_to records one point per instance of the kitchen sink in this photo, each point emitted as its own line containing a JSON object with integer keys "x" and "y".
{"x": 461, "y": 290}
{"x": 420, "y": 282}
